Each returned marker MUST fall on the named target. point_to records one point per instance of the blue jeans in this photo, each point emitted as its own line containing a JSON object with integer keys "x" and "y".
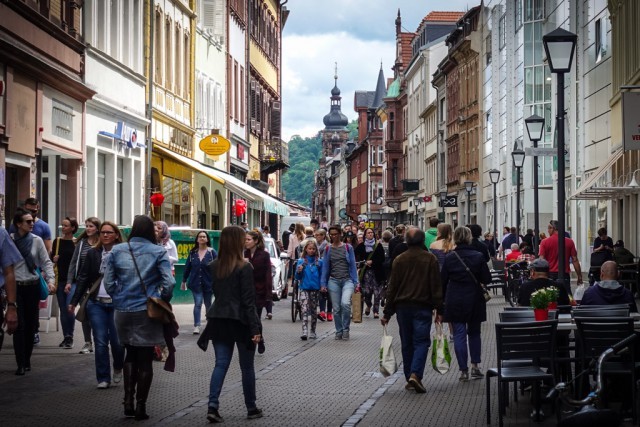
{"x": 68, "y": 321}
{"x": 224, "y": 353}
{"x": 198, "y": 299}
{"x": 460, "y": 333}
{"x": 103, "y": 325}
{"x": 415, "y": 326}
{"x": 340, "y": 291}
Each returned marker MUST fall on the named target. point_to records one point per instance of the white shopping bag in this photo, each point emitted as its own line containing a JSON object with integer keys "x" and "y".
{"x": 388, "y": 365}
{"x": 440, "y": 355}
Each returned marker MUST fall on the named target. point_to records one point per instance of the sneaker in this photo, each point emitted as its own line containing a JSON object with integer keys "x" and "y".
{"x": 36, "y": 339}
{"x": 338, "y": 336}
{"x": 68, "y": 344}
{"x": 322, "y": 316}
{"x": 376, "y": 316}
{"x": 103, "y": 385}
{"x": 417, "y": 384}
{"x": 196, "y": 330}
{"x": 409, "y": 386}
{"x": 261, "y": 347}
{"x": 269, "y": 316}
{"x": 214, "y": 416}
{"x": 476, "y": 374}
{"x": 312, "y": 336}
{"x": 464, "y": 376}
{"x": 87, "y": 348}
{"x": 367, "y": 311}
{"x": 303, "y": 337}
{"x": 64, "y": 341}
{"x": 117, "y": 375}
{"x": 330, "y": 317}
{"x": 345, "y": 335}
{"x": 254, "y": 413}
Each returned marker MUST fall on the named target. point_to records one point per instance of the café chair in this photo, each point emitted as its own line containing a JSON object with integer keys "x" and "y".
{"x": 601, "y": 312}
{"x": 518, "y": 341}
{"x": 594, "y": 336}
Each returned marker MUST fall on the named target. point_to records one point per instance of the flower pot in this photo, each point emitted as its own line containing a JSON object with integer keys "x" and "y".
{"x": 540, "y": 314}
{"x": 553, "y": 305}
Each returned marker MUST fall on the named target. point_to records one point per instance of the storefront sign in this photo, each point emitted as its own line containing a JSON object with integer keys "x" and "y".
{"x": 631, "y": 120}
{"x": 125, "y": 134}
{"x": 449, "y": 202}
{"x": 215, "y": 145}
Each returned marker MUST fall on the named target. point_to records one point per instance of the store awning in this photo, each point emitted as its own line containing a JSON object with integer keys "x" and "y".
{"x": 231, "y": 183}
{"x": 599, "y": 185}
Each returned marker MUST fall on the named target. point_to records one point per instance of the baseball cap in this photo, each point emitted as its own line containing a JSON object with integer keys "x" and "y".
{"x": 619, "y": 244}
{"x": 539, "y": 264}
{"x": 349, "y": 234}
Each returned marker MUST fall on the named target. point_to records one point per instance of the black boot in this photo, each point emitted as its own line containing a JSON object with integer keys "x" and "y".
{"x": 129, "y": 371}
{"x": 144, "y": 384}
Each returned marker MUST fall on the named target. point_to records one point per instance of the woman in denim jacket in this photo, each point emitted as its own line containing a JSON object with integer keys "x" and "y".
{"x": 196, "y": 272}
{"x": 123, "y": 279}
{"x": 100, "y": 308}
{"x": 339, "y": 275}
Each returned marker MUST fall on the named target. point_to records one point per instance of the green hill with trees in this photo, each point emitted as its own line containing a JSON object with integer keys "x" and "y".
{"x": 304, "y": 154}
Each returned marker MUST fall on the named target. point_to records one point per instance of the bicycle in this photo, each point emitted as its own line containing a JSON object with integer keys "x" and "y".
{"x": 296, "y": 305}
{"x": 590, "y": 414}
{"x": 517, "y": 273}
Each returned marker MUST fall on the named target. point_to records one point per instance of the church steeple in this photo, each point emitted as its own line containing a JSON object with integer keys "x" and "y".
{"x": 335, "y": 120}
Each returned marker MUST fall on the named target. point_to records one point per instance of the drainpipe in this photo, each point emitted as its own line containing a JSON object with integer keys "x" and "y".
{"x": 149, "y": 113}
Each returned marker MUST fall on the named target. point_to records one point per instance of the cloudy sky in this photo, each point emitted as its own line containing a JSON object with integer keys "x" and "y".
{"x": 357, "y": 34}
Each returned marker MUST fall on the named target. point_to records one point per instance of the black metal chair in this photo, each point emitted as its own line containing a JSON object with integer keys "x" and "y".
{"x": 523, "y": 314}
{"x": 533, "y": 341}
{"x": 601, "y": 312}
{"x": 596, "y": 334}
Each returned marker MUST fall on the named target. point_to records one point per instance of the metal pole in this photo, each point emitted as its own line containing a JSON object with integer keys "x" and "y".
{"x": 561, "y": 196}
{"x": 149, "y": 112}
{"x": 518, "y": 204}
{"x": 468, "y": 207}
{"x": 536, "y": 212}
{"x": 495, "y": 215}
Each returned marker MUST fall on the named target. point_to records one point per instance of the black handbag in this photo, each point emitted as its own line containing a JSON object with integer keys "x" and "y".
{"x": 81, "y": 315}
{"x": 485, "y": 293}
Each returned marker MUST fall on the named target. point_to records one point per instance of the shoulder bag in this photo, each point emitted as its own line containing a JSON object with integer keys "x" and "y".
{"x": 485, "y": 293}
{"x": 81, "y": 315}
{"x": 158, "y": 310}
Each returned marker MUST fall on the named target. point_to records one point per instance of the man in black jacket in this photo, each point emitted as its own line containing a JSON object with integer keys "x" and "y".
{"x": 476, "y": 232}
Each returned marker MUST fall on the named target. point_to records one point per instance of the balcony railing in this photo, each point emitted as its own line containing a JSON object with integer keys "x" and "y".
{"x": 274, "y": 155}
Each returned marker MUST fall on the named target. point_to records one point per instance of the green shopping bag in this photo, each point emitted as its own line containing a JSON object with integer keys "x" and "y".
{"x": 440, "y": 355}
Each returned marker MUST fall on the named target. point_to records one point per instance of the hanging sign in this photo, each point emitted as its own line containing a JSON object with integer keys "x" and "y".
{"x": 631, "y": 120}
{"x": 215, "y": 145}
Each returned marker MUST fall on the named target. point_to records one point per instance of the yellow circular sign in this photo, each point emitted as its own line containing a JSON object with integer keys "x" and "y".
{"x": 215, "y": 145}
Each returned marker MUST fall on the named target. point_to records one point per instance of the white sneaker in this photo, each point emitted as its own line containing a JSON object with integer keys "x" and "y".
{"x": 87, "y": 348}
{"x": 196, "y": 330}
{"x": 117, "y": 375}
{"x": 103, "y": 385}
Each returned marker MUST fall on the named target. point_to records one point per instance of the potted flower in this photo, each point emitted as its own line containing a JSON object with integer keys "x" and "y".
{"x": 540, "y": 304}
{"x": 552, "y": 293}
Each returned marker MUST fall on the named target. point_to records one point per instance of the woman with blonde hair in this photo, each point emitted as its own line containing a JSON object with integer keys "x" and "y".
{"x": 443, "y": 244}
{"x": 232, "y": 320}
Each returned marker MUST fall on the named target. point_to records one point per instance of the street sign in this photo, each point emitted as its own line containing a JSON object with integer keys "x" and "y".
{"x": 541, "y": 151}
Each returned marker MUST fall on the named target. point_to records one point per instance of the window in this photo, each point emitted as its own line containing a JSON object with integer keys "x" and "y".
{"x": 442, "y": 110}
{"x": 488, "y": 50}
{"x": 178, "y": 61}
{"x": 380, "y": 155}
{"x": 373, "y": 156}
{"x": 394, "y": 174}
{"x": 186, "y": 66}
{"x": 517, "y": 11}
{"x": 242, "y": 97}
{"x": 392, "y": 124}
{"x": 501, "y": 33}
{"x": 157, "y": 54}
{"x": 114, "y": 31}
{"x": 120, "y": 191}
{"x": 601, "y": 38}
{"x": 168, "y": 78}
{"x": 101, "y": 201}
{"x": 235, "y": 90}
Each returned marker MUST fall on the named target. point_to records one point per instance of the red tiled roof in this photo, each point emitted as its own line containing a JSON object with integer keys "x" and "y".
{"x": 444, "y": 16}
{"x": 407, "y": 52}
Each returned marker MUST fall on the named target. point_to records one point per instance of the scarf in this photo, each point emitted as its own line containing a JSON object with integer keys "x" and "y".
{"x": 24, "y": 245}
{"x": 368, "y": 244}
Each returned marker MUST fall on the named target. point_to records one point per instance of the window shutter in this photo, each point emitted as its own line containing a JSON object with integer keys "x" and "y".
{"x": 276, "y": 120}
{"x": 218, "y": 22}
{"x": 209, "y": 15}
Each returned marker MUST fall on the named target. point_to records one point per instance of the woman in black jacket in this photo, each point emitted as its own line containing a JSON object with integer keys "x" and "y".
{"x": 463, "y": 271}
{"x": 232, "y": 321}
{"x": 372, "y": 276}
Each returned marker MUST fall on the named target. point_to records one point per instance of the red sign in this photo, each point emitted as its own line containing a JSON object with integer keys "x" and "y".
{"x": 240, "y": 207}
{"x": 240, "y": 152}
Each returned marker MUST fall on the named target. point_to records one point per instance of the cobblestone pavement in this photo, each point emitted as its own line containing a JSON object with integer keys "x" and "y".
{"x": 299, "y": 383}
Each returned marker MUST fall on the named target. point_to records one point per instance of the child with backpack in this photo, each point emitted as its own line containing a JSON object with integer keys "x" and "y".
{"x": 308, "y": 269}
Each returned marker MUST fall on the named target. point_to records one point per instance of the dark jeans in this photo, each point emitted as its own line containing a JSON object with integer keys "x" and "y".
{"x": 325, "y": 302}
{"x": 28, "y": 300}
{"x": 415, "y": 327}
{"x": 224, "y": 353}
{"x": 460, "y": 333}
{"x": 199, "y": 298}
{"x": 68, "y": 321}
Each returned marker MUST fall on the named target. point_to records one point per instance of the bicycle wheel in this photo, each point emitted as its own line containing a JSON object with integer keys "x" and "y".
{"x": 294, "y": 302}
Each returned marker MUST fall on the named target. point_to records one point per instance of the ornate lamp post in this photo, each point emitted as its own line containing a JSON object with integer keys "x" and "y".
{"x": 468, "y": 186}
{"x": 443, "y": 199}
{"x": 518, "y": 161}
{"x": 535, "y": 129}
{"x": 559, "y": 46}
{"x": 494, "y": 177}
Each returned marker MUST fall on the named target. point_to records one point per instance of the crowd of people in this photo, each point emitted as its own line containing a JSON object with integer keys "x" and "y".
{"x": 419, "y": 276}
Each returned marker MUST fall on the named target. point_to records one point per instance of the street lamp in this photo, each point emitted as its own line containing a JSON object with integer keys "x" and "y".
{"x": 416, "y": 202}
{"x": 535, "y": 129}
{"x": 518, "y": 161}
{"x": 468, "y": 186}
{"x": 494, "y": 177}
{"x": 559, "y": 46}
{"x": 443, "y": 199}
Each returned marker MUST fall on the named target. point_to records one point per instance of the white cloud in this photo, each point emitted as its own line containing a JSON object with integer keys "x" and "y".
{"x": 358, "y": 35}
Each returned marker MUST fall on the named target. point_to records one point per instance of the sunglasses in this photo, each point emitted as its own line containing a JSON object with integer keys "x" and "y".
{"x": 28, "y": 221}
{"x": 106, "y": 233}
